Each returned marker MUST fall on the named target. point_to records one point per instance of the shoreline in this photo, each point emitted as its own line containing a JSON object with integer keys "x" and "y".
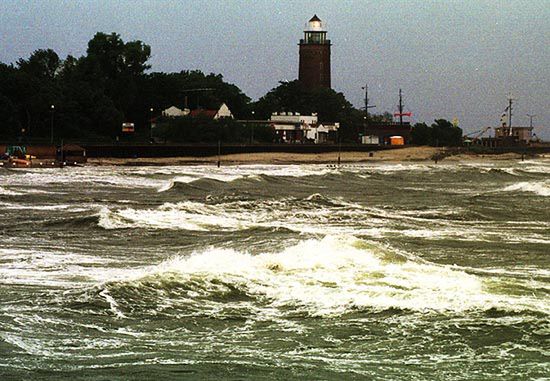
{"x": 410, "y": 154}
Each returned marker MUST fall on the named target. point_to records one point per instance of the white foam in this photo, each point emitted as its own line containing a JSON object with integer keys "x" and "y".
{"x": 8, "y": 192}
{"x": 60, "y": 269}
{"x": 335, "y": 275}
{"x": 114, "y": 307}
{"x": 185, "y": 215}
{"x": 541, "y": 188}
{"x": 239, "y": 215}
{"x": 72, "y": 208}
{"x": 118, "y": 177}
{"x": 170, "y": 184}
{"x": 339, "y": 217}
{"x": 535, "y": 166}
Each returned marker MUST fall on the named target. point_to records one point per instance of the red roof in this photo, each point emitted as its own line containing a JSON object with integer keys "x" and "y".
{"x": 203, "y": 113}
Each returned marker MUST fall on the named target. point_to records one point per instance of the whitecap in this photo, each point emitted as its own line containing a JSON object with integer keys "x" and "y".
{"x": 333, "y": 276}
{"x": 541, "y": 188}
{"x": 8, "y": 192}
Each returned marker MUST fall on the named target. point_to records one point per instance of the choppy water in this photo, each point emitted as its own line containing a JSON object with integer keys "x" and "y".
{"x": 394, "y": 271}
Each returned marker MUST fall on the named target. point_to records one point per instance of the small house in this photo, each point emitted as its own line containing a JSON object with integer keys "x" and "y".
{"x": 222, "y": 112}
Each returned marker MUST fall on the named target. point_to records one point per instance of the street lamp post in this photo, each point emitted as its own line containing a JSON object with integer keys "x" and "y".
{"x": 531, "y": 119}
{"x": 52, "y": 110}
{"x": 252, "y": 129}
{"x": 151, "y": 125}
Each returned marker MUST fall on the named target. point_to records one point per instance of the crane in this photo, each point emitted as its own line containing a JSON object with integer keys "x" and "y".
{"x": 476, "y": 135}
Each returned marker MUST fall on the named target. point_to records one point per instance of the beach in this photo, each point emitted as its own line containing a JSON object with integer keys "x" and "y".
{"x": 409, "y": 154}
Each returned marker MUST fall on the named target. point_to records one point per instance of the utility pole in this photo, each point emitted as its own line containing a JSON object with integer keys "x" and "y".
{"x": 510, "y": 101}
{"x": 531, "y": 120}
{"x": 339, "y": 147}
{"x": 367, "y": 106}
{"x": 252, "y": 129}
{"x": 52, "y": 109}
{"x": 400, "y": 109}
{"x": 151, "y": 125}
{"x": 62, "y": 163}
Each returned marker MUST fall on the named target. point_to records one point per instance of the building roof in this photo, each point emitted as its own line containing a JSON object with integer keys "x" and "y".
{"x": 203, "y": 113}
{"x": 315, "y": 18}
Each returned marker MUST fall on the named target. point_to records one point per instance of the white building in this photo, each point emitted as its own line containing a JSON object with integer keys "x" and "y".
{"x": 223, "y": 112}
{"x": 321, "y": 132}
{"x": 174, "y": 112}
{"x": 296, "y": 128}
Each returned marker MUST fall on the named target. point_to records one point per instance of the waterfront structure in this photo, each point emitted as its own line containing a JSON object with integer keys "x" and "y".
{"x": 517, "y": 134}
{"x": 387, "y": 132}
{"x": 292, "y": 127}
{"x": 221, "y": 112}
{"x": 382, "y": 132}
{"x": 314, "y": 66}
{"x": 507, "y": 135}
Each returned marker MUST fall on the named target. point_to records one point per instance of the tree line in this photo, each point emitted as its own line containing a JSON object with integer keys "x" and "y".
{"x": 89, "y": 97}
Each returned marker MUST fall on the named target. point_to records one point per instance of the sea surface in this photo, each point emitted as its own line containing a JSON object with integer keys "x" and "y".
{"x": 399, "y": 271}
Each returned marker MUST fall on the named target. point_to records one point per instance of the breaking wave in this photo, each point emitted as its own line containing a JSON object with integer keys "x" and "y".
{"x": 326, "y": 277}
{"x": 8, "y": 192}
{"x": 541, "y": 188}
{"x": 236, "y": 215}
{"x": 185, "y": 180}
{"x": 184, "y": 215}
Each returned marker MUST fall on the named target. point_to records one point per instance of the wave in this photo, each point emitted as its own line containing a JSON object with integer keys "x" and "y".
{"x": 213, "y": 182}
{"x": 536, "y": 166}
{"x": 67, "y": 207}
{"x": 8, "y": 192}
{"x": 171, "y": 183}
{"x": 541, "y": 188}
{"x": 231, "y": 174}
{"x": 314, "y": 214}
{"x": 22, "y": 191}
{"x": 90, "y": 221}
{"x": 103, "y": 176}
{"x": 288, "y": 213}
{"x": 211, "y": 179}
{"x": 185, "y": 216}
{"x": 48, "y": 267}
{"x": 326, "y": 277}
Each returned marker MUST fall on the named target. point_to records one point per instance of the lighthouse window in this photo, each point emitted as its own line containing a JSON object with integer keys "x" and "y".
{"x": 315, "y": 38}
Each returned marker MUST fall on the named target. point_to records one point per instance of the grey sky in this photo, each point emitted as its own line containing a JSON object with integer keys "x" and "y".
{"x": 451, "y": 58}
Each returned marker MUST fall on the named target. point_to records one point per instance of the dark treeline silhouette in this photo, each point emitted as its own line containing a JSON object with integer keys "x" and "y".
{"x": 440, "y": 133}
{"x": 88, "y": 98}
{"x": 94, "y": 94}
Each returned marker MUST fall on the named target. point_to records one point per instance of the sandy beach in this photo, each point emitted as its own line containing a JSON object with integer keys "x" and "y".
{"x": 392, "y": 155}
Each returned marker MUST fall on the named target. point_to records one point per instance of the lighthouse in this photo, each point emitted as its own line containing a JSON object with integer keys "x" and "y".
{"x": 314, "y": 68}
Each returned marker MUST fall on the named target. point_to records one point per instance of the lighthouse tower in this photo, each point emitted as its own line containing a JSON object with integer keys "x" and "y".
{"x": 314, "y": 68}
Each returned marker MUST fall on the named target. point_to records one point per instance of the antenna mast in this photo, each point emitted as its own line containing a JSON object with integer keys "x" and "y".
{"x": 510, "y": 101}
{"x": 400, "y": 109}
{"x": 367, "y": 106}
{"x": 531, "y": 120}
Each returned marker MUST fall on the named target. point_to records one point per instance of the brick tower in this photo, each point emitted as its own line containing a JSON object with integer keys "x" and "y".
{"x": 314, "y": 68}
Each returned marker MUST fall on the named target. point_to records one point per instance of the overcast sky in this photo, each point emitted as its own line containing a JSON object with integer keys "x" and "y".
{"x": 451, "y": 58}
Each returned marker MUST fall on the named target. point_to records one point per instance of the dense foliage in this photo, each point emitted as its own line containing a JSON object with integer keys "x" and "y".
{"x": 88, "y": 98}
{"x": 92, "y": 95}
{"x": 440, "y": 133}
